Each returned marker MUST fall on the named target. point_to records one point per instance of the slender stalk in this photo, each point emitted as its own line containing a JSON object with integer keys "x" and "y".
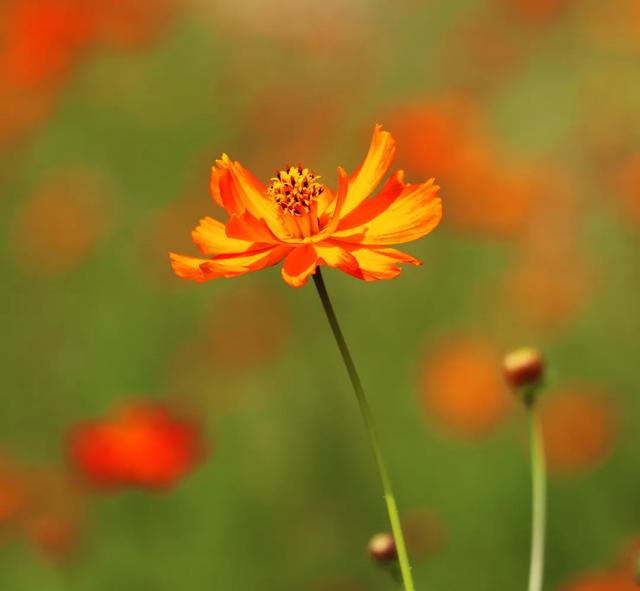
{"x": 367, "y": 417}
{"x": 538, "y": 498}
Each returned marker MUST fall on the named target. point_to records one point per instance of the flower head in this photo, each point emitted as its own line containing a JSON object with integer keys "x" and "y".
{"x": 304, "y": 223}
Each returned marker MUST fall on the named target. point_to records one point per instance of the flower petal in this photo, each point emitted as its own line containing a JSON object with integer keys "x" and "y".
{"x": 326, "y": 204}
{"x": 299, "y": 264}
{"x": 188, "y": 267}
{"x": 371, "y": 208}
{"x": 409, "y": 216}
{"x": 334, "y": 255}
{"x": 212, "y": 239}
{"x": 237, "y": 190}
{"x": 247, "y": 227}
{"x": 364, "y": 181}
{"x": 228, "y": 265}
{"x": 378, "y": 263}
{"x": 332, "y": 224}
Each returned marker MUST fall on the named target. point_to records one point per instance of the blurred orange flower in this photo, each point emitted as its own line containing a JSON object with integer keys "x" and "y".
{"x": 626, "y": 181}
{"x": 463, "y": 388}
{"x": 303, "y": 222}
{"x": 253, "y": 329}
{"x": 44, "y": 504}
{"x": 579, "y": 428}
{"x": 537, "y": 12}
{"x": 21, "y": 111}
{"x": 619, "y": 577}
{"x": 12, "y": 492}
{"x": 605, "y": 581}
{"x": 132, "y": 23}
{"x": 423, "y": 531}
{"x": 54, "y": 517}
{"x": 62, "y": 222}
{"x": 485, "y": 195}
{"x": 142, "y": 445}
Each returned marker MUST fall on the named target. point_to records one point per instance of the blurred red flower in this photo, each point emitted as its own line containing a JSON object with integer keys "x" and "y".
{"x": 142, "y": 445}
{"x": 42, "y": 40}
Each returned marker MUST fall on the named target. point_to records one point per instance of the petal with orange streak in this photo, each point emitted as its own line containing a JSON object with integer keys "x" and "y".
{"x": 372, "y": 208}
{"x": 247, "y": 227}
{"x": 299, "y": 264}
{"x": 230, "y": 265}
{"x": 336, "y": 256}
{"x": 237, "y": 190}
{"x": 218, "y": 175}
{"x": 188, "y": 267}
{"x": 334, "y": 220}
{"x": 377, "y": 263}
{"x": 409, "y": 216}
{"x": 212, "y": 239}
{"x": 326, "y": 204}
{"x": 376, "y": 164}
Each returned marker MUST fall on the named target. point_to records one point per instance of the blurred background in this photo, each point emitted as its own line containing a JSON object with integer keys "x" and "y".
{"x": 111, "y": 115}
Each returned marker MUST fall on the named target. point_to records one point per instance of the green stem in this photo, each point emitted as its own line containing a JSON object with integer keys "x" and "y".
{"x": 538, "y": 488}
{"x": 367, "y": 417}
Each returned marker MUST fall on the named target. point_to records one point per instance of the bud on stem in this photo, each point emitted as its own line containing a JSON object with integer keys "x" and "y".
{"x": 382, "y": 548}
{"x": 524, "y": 370}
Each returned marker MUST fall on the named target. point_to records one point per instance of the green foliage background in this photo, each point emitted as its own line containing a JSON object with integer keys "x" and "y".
{"x": 289, "y": 495}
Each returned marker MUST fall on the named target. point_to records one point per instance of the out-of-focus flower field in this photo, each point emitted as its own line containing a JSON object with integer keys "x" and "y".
{"x": 157, "y": 435}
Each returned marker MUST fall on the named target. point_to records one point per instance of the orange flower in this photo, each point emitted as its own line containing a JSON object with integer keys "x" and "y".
{"x": 300, "y": 221}
{"x": 143, "y": 445}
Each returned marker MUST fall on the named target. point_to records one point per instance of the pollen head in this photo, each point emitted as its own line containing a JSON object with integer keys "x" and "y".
{"x": 294, "y": 190}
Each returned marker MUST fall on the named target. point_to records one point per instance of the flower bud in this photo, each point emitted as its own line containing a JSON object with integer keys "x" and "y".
{"x": 523, "y": 367}
{"x": 382, "y": 547}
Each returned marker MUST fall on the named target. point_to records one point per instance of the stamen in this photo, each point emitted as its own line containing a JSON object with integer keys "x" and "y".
{"x": 294, "y": 190}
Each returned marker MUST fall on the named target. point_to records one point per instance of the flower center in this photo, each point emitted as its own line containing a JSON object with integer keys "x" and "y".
{"x": 294, "y": 190}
